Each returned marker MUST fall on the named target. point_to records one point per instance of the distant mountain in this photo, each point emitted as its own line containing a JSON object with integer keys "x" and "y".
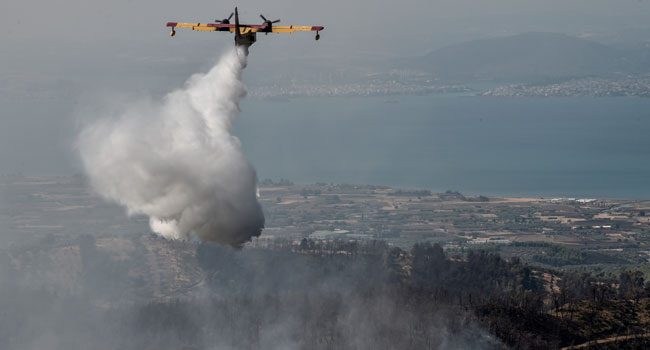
{"x": 529, "y": 57}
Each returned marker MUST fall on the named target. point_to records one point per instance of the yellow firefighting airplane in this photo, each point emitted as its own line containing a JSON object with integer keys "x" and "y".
{"x": 245, "y": 34}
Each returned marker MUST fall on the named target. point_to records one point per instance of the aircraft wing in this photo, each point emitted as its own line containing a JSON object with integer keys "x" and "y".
{"x": 245, "y": 28}
{"x": 201, "y": 26}
{"x": 291, "y": 29}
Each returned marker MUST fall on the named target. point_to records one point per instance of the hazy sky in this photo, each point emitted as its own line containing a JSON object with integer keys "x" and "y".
{"x": 58, "y": 34}
{"x": 58, "y": 54}
{"x": 363, "y": 24}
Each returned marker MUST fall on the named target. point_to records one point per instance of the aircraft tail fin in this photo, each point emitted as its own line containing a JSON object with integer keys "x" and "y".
{"x": 244, "y": 35}
{"x": 237, "y": 30}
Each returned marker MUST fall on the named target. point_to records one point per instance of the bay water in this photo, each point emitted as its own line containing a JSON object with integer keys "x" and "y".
{"x": 540, "y": 147}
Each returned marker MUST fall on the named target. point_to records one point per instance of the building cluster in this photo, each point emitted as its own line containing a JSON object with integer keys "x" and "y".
{"x": 403, "y": 217}
{"x": 371, "y": 87}
{"x": 588, "y": 87}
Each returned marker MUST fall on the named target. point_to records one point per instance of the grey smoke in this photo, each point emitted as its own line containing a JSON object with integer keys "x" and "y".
{"x": 176, "y": 161}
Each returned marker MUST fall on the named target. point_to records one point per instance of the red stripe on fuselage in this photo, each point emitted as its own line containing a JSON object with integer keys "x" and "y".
{"x": 317, "y": 28}
{"x": 172, "y": 24}
{"x": 216, "y": 25}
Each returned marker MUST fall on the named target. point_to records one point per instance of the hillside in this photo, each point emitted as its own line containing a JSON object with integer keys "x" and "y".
{"x": 529, "y": 56}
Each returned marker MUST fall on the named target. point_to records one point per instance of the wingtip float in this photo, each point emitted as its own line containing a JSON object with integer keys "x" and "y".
{"x": 245, "y": 34}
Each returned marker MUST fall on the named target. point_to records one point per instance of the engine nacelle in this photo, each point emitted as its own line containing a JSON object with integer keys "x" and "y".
{"x": 172, "y": 33}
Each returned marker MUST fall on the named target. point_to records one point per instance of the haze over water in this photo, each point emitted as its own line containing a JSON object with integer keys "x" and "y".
{"x": 573, "y": 147}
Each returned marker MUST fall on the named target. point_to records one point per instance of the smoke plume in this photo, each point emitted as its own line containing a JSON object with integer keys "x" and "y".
{"x": 176, "y": 161}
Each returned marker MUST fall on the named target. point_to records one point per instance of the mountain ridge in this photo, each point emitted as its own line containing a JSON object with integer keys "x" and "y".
{"x": 531, "y": 56}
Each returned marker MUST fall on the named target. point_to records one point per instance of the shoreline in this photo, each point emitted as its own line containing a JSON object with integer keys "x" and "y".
{"x": 17, "y": 178}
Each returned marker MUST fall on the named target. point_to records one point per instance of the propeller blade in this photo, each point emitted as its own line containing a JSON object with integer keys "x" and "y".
{"x": 231, "y": 14}
{"x": 276, "y": 21}
{"x": 264, "y": 18}
{"x": 217, "y": 21}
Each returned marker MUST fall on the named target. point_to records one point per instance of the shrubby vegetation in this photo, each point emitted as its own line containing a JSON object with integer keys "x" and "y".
{"x": 554, "y": 255}
{"x": 333, "y": 295}
{"x": 557, "y": 255}
{"x": 524, "y": 306}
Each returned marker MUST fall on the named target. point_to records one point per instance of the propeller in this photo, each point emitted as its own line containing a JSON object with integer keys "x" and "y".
{"x": 267, "y": 21}
{"x": 225, "y": 20}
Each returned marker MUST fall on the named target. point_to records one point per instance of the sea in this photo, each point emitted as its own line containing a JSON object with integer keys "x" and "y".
{"x": 526, "y": 147}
